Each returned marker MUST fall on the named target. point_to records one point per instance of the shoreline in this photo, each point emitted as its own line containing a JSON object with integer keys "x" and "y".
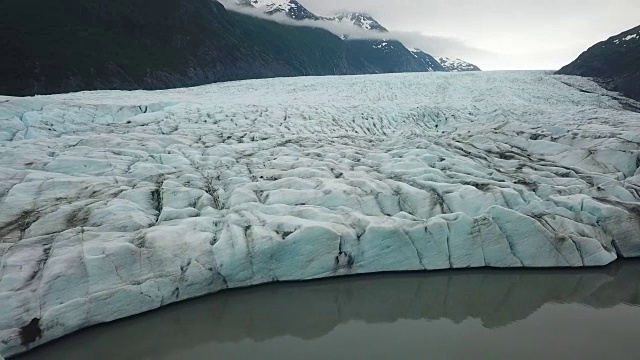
{"x": 589, "y": 280}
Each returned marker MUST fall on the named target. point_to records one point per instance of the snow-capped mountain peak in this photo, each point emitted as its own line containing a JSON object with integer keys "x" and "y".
{"x": 271, "y": 4}
{"x": 359, "y": 19}
{"x": 247, "y": 3}
{"x": 456, "y": 65}
{"x": 296, "y": 11}
{"x": 291, "y": 8}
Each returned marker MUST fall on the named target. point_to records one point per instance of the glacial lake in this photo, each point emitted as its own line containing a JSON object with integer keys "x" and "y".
{"x": 461, "y": 314}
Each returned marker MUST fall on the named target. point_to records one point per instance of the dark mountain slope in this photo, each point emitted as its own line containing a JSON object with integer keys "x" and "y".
{"x": 151, "y": 44}
{"x": 385, "y": 56}
{"x": 364, "y": 55}
{"x": 615, "y": 61}
{"x": 428, "y": 60}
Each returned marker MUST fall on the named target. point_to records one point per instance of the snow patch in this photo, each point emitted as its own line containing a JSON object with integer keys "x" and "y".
{"x": 626, "y": 38}
{"x": 456, "y": 65}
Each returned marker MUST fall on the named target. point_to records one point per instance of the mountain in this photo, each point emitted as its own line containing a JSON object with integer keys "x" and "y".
{"x": 429, "y": 61}
{"x": 377, "y": 50}
{"x": 296, "y": 11}
{"x": 374, "y": 55}
{"x": 615, "y": 62}
{"x": 390, "y": 55}
{"x": 457, "y": 65}
{"x": 157, "y": 44}
{"x": 387, "y": 56}
{"x": 291, "y": 8}
{"x": 152, "y": 44}
{"x": 361, "y": 20}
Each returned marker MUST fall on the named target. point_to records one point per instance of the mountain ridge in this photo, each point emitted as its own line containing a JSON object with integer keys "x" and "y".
{"x": 92, "y": 45}
{"x": 614, "y": 62}
{"x": 291, "y": 8}
{"x": 151, "y": 45}
{"x": 361, "y": 20}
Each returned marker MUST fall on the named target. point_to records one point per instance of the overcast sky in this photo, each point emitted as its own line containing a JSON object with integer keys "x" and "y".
{"x": 500, "y": 34}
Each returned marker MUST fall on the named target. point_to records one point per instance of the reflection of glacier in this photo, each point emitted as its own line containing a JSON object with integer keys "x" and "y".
{"x": 311, "y": 310}
{"x": 114, "y": 203}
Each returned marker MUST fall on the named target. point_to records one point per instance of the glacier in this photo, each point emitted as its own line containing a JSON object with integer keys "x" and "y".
{"x": 114, "y": 203}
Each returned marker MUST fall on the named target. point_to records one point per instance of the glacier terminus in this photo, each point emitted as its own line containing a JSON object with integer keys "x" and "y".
{"x": 113, "y": 203}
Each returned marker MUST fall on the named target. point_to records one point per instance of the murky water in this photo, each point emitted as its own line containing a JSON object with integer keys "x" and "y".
{"x": 497, "y": 314}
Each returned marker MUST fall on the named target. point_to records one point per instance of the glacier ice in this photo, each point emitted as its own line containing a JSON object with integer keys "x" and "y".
{"x": 114, "y": 203}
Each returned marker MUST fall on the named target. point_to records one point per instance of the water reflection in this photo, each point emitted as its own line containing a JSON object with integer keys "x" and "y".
{"x": 486, "y": 299}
